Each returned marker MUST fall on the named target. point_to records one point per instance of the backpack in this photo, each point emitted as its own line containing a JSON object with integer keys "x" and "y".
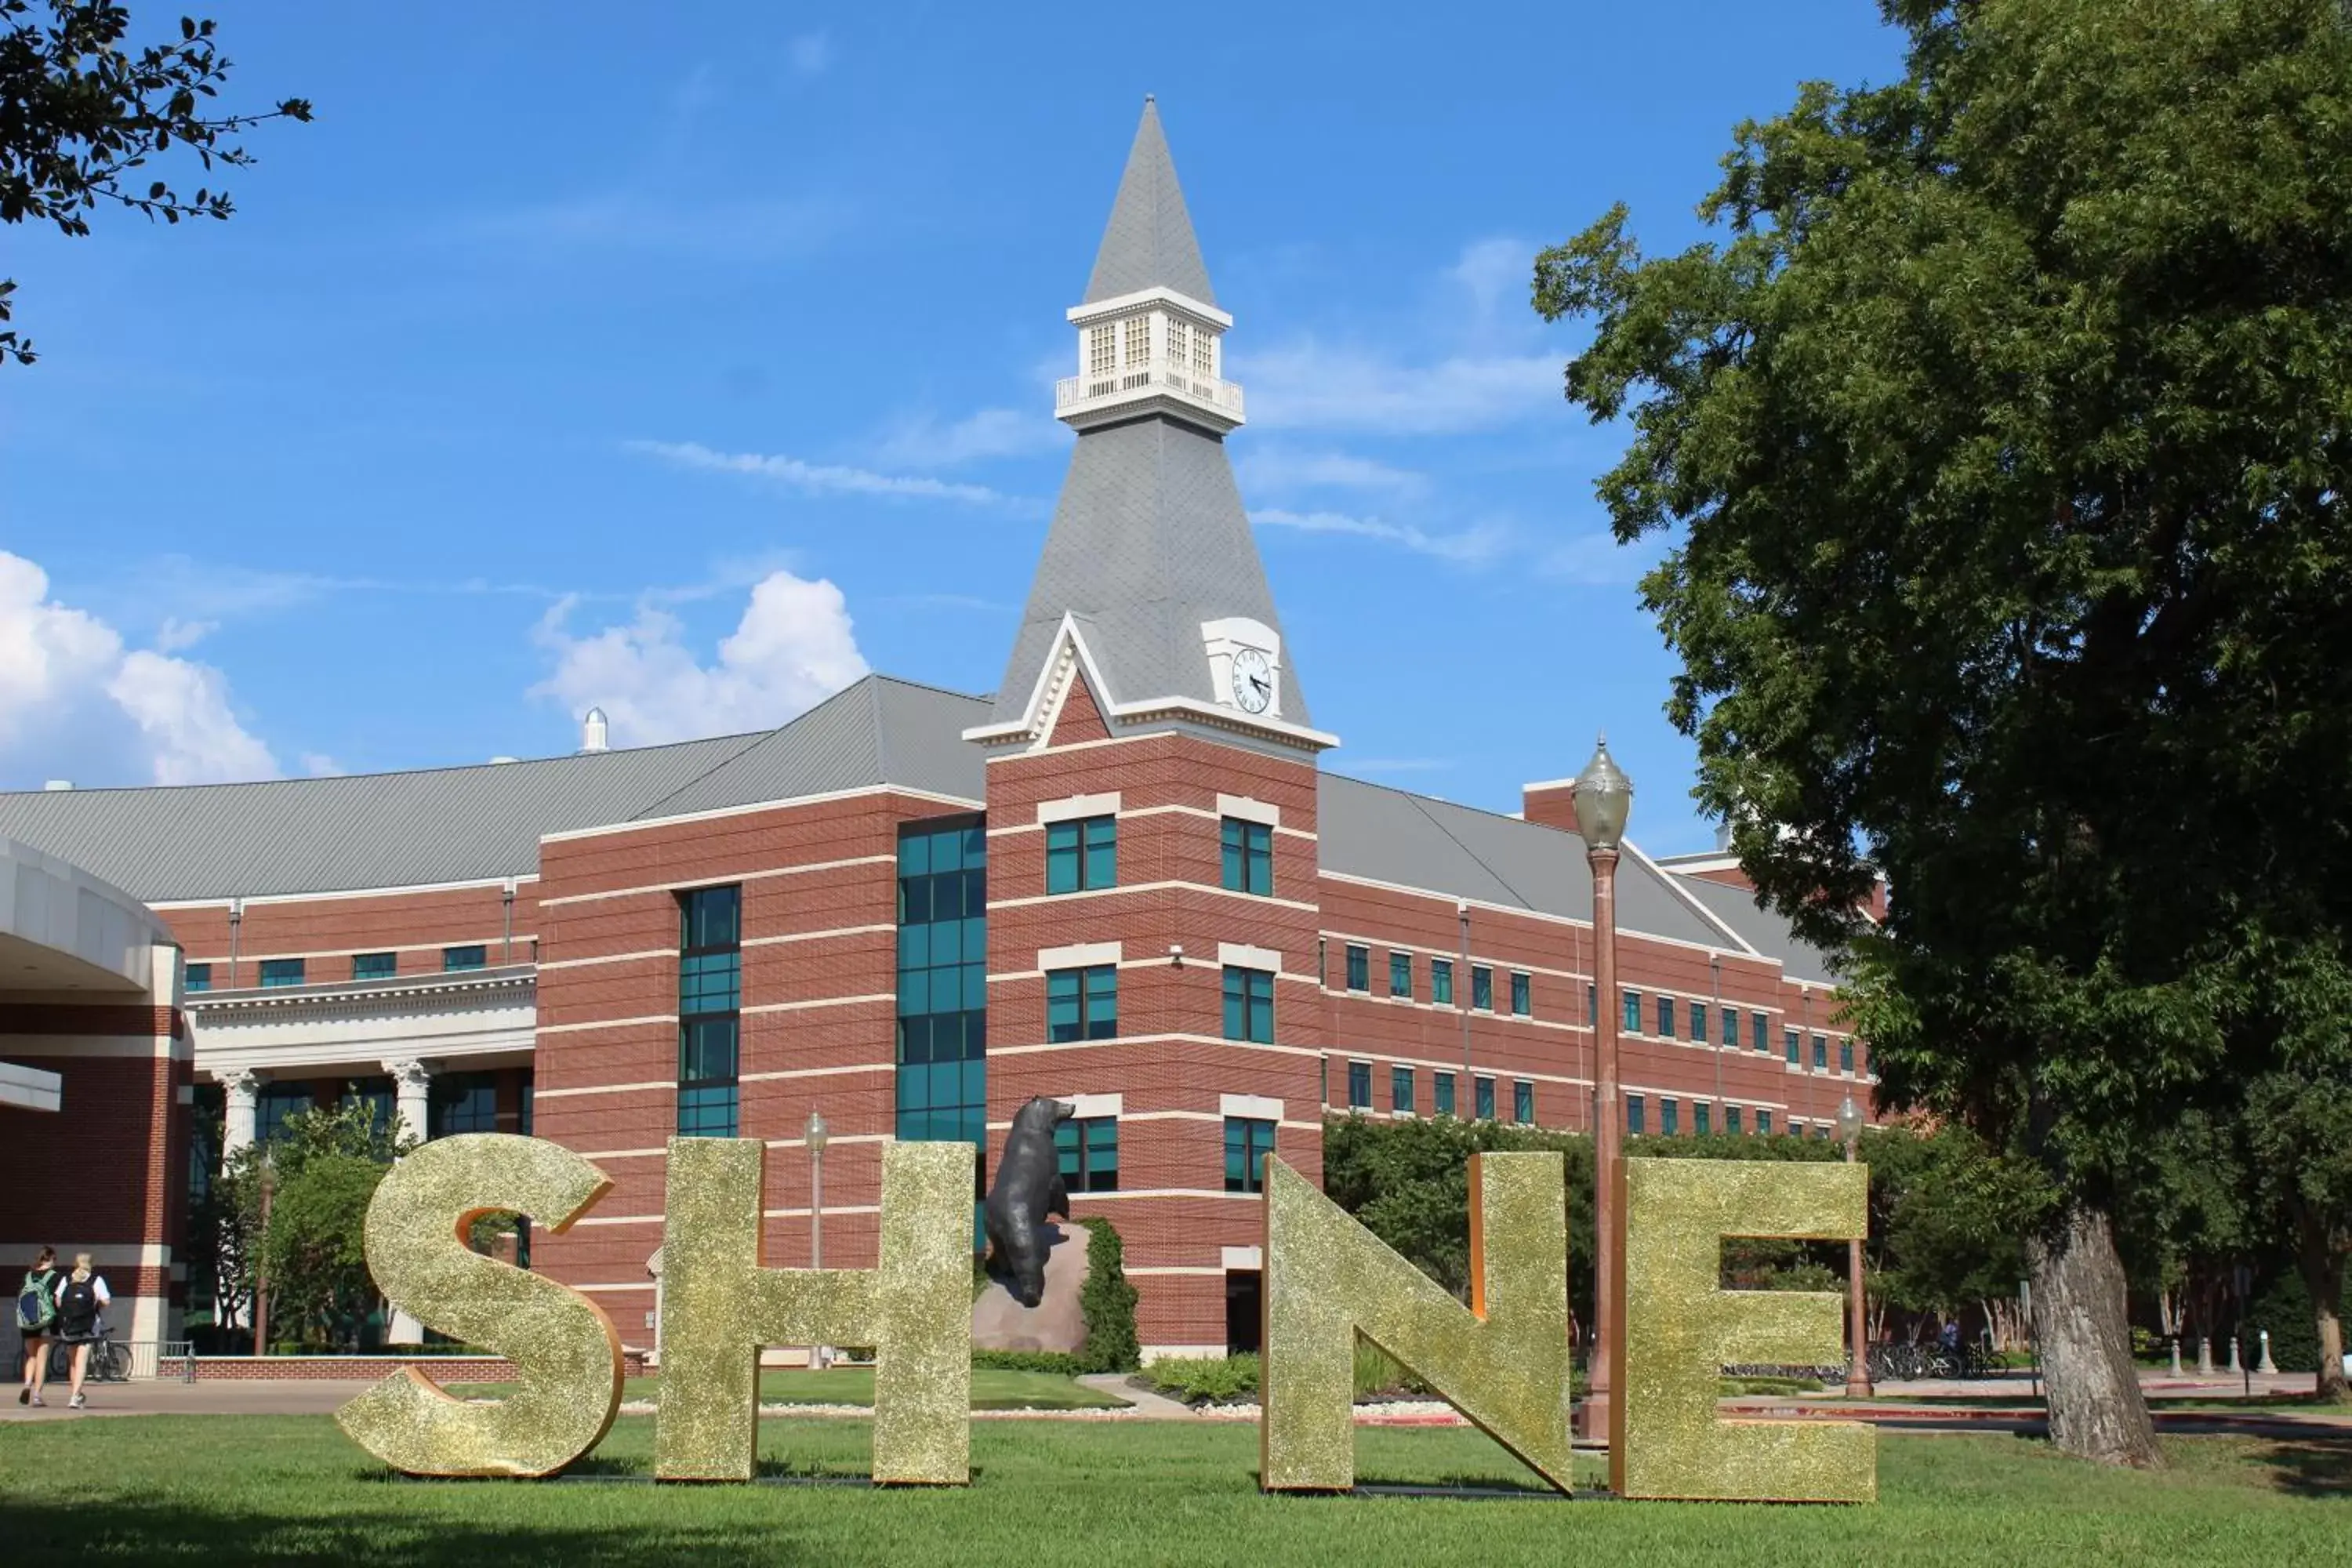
{"x": 77, "y": 1310}
{"x": 36, "y": 1308}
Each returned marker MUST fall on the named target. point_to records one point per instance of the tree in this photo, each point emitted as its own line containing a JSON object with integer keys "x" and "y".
{"x": 2005, "y": 435}
{"x": 322, "y": 1166}
{"x": 80, "y": 115}
{"x": 2298, "y": 1133}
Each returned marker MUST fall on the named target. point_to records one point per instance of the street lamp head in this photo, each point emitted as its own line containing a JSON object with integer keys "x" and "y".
{"x": 1849, "y": 1120}
{"x": 816, "y": 1133}
{"x": 1603, "y": 798}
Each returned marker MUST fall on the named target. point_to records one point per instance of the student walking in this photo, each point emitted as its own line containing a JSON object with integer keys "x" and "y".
{"x": 81, "y": 1296}
{"x": 36, "y": 1317}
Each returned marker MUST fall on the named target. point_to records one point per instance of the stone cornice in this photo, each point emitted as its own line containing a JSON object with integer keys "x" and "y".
{"x": 516, "y": 983}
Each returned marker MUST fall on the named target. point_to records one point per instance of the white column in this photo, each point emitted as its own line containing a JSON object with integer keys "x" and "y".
{"x": 239, "y": 1128}
{"x": 411, "y": 1083}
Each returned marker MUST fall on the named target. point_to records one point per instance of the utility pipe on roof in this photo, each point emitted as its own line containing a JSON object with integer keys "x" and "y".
{"x": 1461, "y": 983}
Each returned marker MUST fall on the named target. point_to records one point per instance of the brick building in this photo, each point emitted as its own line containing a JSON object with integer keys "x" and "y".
{"x": 1125, "y": 878}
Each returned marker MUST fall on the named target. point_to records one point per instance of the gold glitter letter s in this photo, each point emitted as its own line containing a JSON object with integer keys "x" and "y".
{"x": 1503, "y": 1363}
{"x": 1682, "y": 1327}
{"x": 567, "y": 1358}
{"x": 719, "y": 1306}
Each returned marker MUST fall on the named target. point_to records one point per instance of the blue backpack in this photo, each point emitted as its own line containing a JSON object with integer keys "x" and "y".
{"x": 36, "y": 1306}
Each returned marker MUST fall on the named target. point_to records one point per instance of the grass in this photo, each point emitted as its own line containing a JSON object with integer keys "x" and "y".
{"x": 990, "y": 1389}
{"x": 244, "y": 1488}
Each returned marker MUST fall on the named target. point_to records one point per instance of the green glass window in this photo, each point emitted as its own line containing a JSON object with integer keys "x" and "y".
{"x": 1359, "y": 1086}
{"x": 374, "y": 966}
{"x": 1482, "y": 1092}
{"x": 710, "y": 1011}
{"x": 1481, "y": 988}
{"x": 472, "y": 956}
{"x": 1249, "y": 1005}
{"x": 1731, "y": 1119}
{"x": 1088, "y": 1148}
{"x": 1763, "y": 1122}
{"x": 1400, "y": 975}
{"x": 1821, "y": 1053}
{"x": 1522, "y": 996}
{"x": 1796, "y": 1047}
{"x": 1400, "y": 1088}
{"x": 1360, "y": 968}
{"x": 1702, "y": 1118}
{"x": 1248, "y": 856}
{"x": 462, "y": 1102}
{"x": 1632, "y": 1012}
{"x": 1441, "y": 1093}
{"x": 942, "y": 1012}
{"x": 1845, "y": 1057}
{"x": 1522, "y": 1102}
{"x": 1670, "y": 1117}
{"x": 1248, "y": 1141}
{"x": 281, "y": 971}
{"x": 1698, "y": 1023}
{"x": 199, "y": 978}
{"x": 1731, "y": 1027}
{"x": 1665, "y": 1017}
{"x": 1633, "y": 1119}
{"x": 1082, "y": 1003}
{"x": 1081, "y": 854}
{"x": 1760, "y": 1032}
{"x": 1593, "y": 1005}
{"x": 1441, "y": 982}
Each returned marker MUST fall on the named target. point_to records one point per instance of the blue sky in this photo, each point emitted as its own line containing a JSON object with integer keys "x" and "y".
{"x": 691, "y": 360}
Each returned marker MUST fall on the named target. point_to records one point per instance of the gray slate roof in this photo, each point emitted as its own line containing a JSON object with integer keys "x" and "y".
{"x": 1392, "y": 835}
{"x": 451, "y": 824}
{"x": 1764, "y": 929}
{"x": 1150, "y": 243}
{"x": 1148, "y": 540}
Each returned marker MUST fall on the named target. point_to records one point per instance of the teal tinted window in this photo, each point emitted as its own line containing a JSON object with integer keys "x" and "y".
{"x": 1089, "y": 1150}
{"x": 1400, "y": 975}
{"x": 1731, "y": 1027}
{"x": 1441, "y": 1093}
{"x": 942, "y": 1023}
{"x": 1634, "y": 1118}
{"x": 199, "y": 978}
{"x": 1763, "y": 1122}
{"x": 1248, "y": 1141}
{"x": 462, "y": 1102}
{"x": 711, "y": 918}
{"x": 710, "y": 1011}
{"x": 473, "y": 956}
{"x": 708, "y": 1111}
{"x": 1400, "y": 1088}
{"x": 1592, "y": 1005}
{"x": 1670, "y": 1117}
{"x": 1795, "y": 1044}
{"x": 1483, "y": 1090}
{"x": 1081, "y": 854}
{"x": 1821, "y": 1053}
{"x": 1665, "y": 1017}
{"x": 273, "y": 1103}
{"x": 1699, "y": 1021}
{"x": 1760, "y": 1032}
{"x": 374, "y": 966}
{"x": 1359, "y": 1086}
{"x": 1845, "y": 1055}
{"x": 281, "y": 971}
{"x": 1482, "y": 987}
{"x": 1441, "y": 982}
{"x": 1249, "y": 1005}
{"x": 1082, "y": 1003}
{"x": 1701, "y": 1113}
{"x": 1632, "y": 1012}
{"x": 1522, "y": 996}
{"x": 1523, "y": 1100}
{"x": 1360, "y": 969}
{"x": 1731, "y": 1119}
{"x": 1248, "y": 856}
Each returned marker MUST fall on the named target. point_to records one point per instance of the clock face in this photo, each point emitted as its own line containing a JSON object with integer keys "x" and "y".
{"x": 1253, "y": 681}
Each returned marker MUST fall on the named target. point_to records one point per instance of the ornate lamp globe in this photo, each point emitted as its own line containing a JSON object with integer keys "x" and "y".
{"x": 816, "y": 1133}
{"x": 1603, "y": 798}
{"x": 1849, "y": 1120}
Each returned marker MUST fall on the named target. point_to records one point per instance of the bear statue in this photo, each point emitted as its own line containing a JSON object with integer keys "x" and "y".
{"x": 1027, "y": 1188}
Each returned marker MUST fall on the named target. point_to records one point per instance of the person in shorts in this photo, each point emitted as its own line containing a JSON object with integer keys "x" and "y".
{"x": 36, "y": 1320}
{"x": 82, "y": 1295}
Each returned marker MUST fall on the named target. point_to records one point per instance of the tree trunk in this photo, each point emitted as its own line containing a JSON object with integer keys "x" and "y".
{"x": 2323, "y": 1276}
{"x": 2096, "y": 1411}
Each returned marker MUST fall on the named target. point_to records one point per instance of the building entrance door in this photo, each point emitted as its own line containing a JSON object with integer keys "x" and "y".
{"x": 1243, "y": 1297}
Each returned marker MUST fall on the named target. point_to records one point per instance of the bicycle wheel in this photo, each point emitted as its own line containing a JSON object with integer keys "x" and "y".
{"x": 110, "y": 1362}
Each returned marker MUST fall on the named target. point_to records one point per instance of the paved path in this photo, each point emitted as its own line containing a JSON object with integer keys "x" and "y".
{"x": 225, "y": 1396}
{"x": 1145, "y": 1402}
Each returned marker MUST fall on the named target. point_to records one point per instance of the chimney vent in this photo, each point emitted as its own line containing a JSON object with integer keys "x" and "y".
{"x": 594, "y": 732}
{"x": 57, "y": 784}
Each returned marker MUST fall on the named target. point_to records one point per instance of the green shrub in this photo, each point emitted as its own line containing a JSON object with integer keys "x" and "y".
{"x": 1055, "y": 1361}
{"x": 1107, "y": 1301}
{"x": 1378, "y": 1373}
{"x": 1204, "y": 1380}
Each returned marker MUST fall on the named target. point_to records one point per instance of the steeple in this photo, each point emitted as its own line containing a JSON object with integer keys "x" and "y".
{"x": 1149, "y": 589}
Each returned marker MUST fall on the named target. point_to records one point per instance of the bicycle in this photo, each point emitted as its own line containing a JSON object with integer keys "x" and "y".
{"x": 109, "y": 1361}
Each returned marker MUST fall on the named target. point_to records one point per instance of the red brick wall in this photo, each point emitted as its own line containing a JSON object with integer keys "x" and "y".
{"x": 441, "y": 1369}
{"x": 324, "y": 933}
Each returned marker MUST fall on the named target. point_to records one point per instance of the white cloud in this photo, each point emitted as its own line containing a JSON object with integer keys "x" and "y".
{"x": 1277, "y": 467}
{"x": 319, "y": 765}
{"x": 920, "y": 441}
{"x": 1308, "y": 384}
{"x": 1499, "y": 276}
{"x": 817, "y": 479}
{"x": 74, "y": 704}
{"x": 794, "y": 647}
{"x": 811, "y": 53}
{"x": 1472, "y": 547}
{"x": 175, "y": 634}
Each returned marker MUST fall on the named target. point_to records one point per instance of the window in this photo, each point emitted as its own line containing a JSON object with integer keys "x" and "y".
{"x": 1795, "y": 1128}
{"x": 1731, "y": 1119}
{"x": 1082, "y": 854}
{"x": 1845, "y": 1057}
{"x": 1441, "y": 982}
{"x": 1731, "y": 1029}
{"x": 1763, "y": 1122}
{"x": 1179, "y": 347}
{"x": 273, "y": 1103}
{"x": 1400, "y": 975}
{"x": 1665, "y": 1017}
{"x": 1247, "y": 1143}
{"x": 1760, "y": 1032}
{"x": 281, "y": 971}
{"x": 1698, "y": 1023}
{"x": 456, "y": 958}
{"x": 199, "y": 978}
{"x": 1821, "y": 1053}
{"x": 1088, "y": 1148}
{"x": 1633, "y": 1119}
{"x": 1442, "y": 1093}
{"x": 374, "y": 966}
{"x": 1249, "y": 1005}
{"x": 1139, "y": 340}
{"x": 1481, "y": 988}
{"x": 1795, "y": 1044}
{"x": 1591, "y": 1005}
{"x": 1359, "y": 1086}
{"x": 1702, "y": 1118}
{"x": 1484, "y": 1088}
{"x": 1360, "y": 968}
{"x": 1522, "y": 997}
{"x": 1082, "y": 1003}
{"x": 1249, "y": 857}
{"x": 1400, "y": 1088}
{"x": 1203, "y": 352}
{"x": 462, "y": 1102}
{"x": 1632, "y": 1012}
{"x": 709, "y": 1017}
{"x": 1102, "y": 349}
{"x": 1523, "y": 1100}
{"x": 942, "y": 1013}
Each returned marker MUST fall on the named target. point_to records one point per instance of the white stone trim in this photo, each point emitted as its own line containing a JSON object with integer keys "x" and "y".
{"x": 1171, "y": 1038}
{"x": 1243, "y": 1258}
{"x": 814, "y": 1003}
{"x": 717, "y": 878}
{"x": 1258, "y": 900}
{"x": 790, "y": 936}
{"x": 86, "y": 1046}
{"x": 823, "y": 797}
{"x": 1080, "y": 955}
{"x": 665, "y": 1085}
{"x": 1158, "y": 294}
{"x": 250, "y": 898}
{"x": 1256, "y": 1107}
{"x": 1249, "y": 809}
{"x": 1073, "y": 807}
{"x": 586, "y": 1025}
{"x": 1095, "y": 1107}
{"x": 547, "y": 964}
{"x": 1244, "y": 955}
{"x": 815, "y": 1072}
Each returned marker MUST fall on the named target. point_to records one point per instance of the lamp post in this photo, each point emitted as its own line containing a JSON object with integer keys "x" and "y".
{"x": 261, "y": 1268}
{"x": 816, "y": 1134}
{"x": 1603, "y": 798}
{"x": 1857, "y": 1370}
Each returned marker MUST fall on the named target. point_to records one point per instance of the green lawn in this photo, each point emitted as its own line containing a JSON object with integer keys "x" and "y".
{"x": 242, "y": 1488}
{"x": 990, "y": 1389}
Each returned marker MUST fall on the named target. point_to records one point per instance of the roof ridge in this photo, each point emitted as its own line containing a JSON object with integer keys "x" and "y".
{"x": 758, "y": 740}
{"x": 1149, "y": 242}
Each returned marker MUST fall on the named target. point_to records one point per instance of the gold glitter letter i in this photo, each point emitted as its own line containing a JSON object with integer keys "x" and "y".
{"x": 567, "y": 1358}
{"x": 1503, "y": 1363}
{"x": 720, "y": 1305}
{"x": 1681, "y": 1328}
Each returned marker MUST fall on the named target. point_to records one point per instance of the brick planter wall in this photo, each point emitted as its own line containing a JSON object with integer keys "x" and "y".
{"x": 368, "y": 1368}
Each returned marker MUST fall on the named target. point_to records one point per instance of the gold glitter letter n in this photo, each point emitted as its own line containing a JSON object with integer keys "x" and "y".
{"x": 720, "y": 1305}
{"x": 1682, "y": 1327}
{"x": 567, "y": 1358}
{"x": 1503, "y": 1363}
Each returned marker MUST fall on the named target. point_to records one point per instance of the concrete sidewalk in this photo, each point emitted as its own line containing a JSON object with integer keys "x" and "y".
{"x": 225, "y": 1396}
